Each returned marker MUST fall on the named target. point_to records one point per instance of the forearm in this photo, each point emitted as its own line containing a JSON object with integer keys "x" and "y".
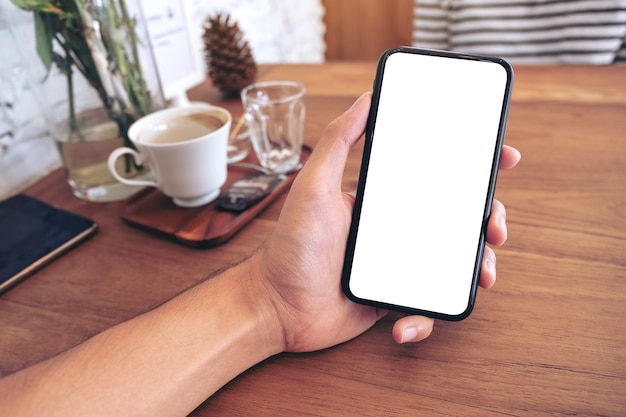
{"x": 165, "y": 362}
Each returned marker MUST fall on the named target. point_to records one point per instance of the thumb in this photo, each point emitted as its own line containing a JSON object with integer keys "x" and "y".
{"x": 329, "y": 157}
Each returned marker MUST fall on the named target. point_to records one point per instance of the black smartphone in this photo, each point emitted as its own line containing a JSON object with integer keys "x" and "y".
{"x": 33, "y": 233}
{"x": 432, "y": 148}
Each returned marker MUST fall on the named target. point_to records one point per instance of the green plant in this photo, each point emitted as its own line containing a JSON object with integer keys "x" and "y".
{"x": 100, "y": 41}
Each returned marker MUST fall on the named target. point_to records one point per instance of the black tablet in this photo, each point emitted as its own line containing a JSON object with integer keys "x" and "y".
{"x": 33, "y": 233}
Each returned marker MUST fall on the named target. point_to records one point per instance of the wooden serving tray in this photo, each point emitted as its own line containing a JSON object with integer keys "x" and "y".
{"x": 202, "y": 227}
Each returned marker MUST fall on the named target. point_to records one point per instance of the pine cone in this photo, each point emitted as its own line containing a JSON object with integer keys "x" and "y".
{"x": 229, "y": 59}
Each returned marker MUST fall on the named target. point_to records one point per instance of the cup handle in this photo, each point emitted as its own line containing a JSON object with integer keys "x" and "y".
{"x": 138, "y": 160}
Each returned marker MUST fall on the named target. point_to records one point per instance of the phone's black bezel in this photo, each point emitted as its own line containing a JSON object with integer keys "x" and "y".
{"x": 369, "y": 132}
{"x": 69, "y": 229}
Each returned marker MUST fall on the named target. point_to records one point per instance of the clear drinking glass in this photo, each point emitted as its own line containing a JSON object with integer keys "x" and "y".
{"x": 275, "y": 114}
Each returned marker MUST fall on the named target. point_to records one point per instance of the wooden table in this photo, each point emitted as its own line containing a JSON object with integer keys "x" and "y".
{"x": 548, "y": 339}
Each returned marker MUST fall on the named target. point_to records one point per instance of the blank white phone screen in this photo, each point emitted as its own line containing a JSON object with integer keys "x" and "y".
{"x": 430, "y": 167}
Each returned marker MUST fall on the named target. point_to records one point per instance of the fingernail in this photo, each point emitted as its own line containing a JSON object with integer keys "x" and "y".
{"x": 409, "y": 334}
{"x": 502, "y": 223}
{"x": 502, "y": 220}
{"x": 358, "y": 100}
{"x": 491, "y": 265}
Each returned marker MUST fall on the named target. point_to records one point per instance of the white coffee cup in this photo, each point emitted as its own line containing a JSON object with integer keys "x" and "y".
{"x": 185, "y": 148}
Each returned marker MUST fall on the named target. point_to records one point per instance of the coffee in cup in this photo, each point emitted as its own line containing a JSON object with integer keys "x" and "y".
{"x": 185, "y": 148}
{"x": 182, "y": 128}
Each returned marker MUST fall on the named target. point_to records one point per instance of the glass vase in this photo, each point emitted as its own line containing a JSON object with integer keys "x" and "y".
{"x": 84, "y": 149}
{"x": 101, "y": 77}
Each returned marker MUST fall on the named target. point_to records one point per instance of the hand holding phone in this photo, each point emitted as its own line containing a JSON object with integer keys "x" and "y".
{"x": 432, "y": 148}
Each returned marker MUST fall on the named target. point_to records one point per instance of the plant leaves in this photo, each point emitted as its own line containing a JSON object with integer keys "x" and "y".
{"x": 34, "y": 5}
{"x": 43, "y": 36}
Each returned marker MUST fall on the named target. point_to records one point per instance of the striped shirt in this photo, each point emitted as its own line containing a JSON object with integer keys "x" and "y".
{"x": 525, "y": 31}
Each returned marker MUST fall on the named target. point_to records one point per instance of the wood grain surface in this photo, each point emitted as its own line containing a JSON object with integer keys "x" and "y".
{"x": 547, "y": 340}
